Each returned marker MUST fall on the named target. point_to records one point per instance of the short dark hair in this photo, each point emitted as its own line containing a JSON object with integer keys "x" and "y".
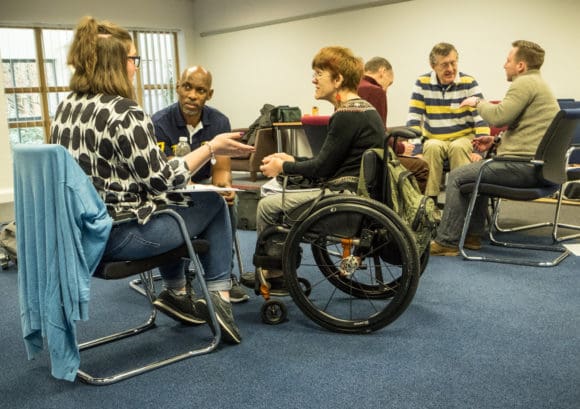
{"x": 442, "y": 49}
{"x": 529, "y": 52}
{"x": 376, "y": 63}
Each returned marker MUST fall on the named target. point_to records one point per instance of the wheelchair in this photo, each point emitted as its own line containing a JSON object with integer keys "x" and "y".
{"x": 350, "y": 263}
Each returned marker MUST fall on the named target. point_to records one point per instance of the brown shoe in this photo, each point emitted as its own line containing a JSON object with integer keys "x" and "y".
{"x": 472, "y": 242}
{"x": 437, "y": 249}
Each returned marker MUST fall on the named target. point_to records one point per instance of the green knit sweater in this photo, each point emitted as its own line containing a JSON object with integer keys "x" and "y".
{"x": 528, "y": 108}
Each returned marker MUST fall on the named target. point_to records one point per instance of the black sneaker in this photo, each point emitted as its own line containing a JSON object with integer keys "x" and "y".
{"x": 248, "y": 279}
{"x": 182, "y": 308}
{"x": 237, "y": 293}
{"x": 225, "y": 318}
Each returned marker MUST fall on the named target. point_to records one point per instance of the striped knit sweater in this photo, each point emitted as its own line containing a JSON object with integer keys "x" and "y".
{"x": 434, "y": 108}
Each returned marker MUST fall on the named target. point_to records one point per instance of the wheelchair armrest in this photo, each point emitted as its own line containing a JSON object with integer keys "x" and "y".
{"x": 404, "y": 132}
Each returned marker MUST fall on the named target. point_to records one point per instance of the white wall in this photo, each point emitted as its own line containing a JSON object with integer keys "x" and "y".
{"x": 162, "y": 14}
{"x": 272, "y": 63}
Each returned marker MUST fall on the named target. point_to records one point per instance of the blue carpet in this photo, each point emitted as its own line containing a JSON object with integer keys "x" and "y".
{"x": 477, "y": 335}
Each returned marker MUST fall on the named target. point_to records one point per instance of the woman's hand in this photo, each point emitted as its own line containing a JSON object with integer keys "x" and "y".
{"x": 272, "y": 166}
{"x": 280, "y": 155}
{"x": 227, "y": 144}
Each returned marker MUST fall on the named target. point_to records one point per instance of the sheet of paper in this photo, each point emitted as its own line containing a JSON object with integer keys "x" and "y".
{"x": 205, "y": 188}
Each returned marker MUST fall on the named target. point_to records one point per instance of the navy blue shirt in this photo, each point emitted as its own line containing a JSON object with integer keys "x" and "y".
{"x": 170, "y": 125}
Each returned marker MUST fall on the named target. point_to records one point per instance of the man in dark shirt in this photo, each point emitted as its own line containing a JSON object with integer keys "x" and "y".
{"x": 378, "y": 77}
{"x": 192, "y": 118}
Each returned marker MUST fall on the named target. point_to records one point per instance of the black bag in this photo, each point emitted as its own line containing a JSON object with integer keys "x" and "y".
{"x": 285, "y": 113}
{"x": 263, "y": 121}
{"x": 294, "y": 182}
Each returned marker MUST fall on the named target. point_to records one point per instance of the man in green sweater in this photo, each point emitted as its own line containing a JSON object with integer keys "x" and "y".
{"x": 527, "y": 109}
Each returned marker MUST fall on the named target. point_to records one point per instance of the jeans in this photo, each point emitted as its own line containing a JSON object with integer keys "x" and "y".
{"x": 206, "y": 218}
{"x": 456, "y": 203}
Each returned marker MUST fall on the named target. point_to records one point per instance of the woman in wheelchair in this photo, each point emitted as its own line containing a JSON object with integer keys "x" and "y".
{"x": 112, "y": 138}
{"x": 354, "y": 127}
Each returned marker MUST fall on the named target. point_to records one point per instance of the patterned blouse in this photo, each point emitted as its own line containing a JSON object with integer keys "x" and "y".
{"x": 112, "y": 139}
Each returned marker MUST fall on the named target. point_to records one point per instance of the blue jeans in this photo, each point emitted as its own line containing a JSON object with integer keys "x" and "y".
{"x": 456, "y": 204}
{"x": 207, "y": 218}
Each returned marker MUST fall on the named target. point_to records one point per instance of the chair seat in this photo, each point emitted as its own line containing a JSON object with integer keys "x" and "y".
{"x": 512, "y": 193}
{"x": 118, "y": 269}
{"x": 573, "y": 174}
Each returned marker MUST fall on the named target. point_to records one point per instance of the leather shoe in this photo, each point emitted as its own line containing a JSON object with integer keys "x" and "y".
{"x": 437, "y": 249}
{"x": 472, "y": 242}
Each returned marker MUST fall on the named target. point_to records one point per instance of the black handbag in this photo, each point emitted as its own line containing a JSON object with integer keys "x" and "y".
{"x": 285, "y": 113}
{"x": 294, "y": 182}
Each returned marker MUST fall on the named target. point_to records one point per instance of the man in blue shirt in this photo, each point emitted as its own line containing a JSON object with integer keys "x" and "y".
{"x": 192, "y": 118}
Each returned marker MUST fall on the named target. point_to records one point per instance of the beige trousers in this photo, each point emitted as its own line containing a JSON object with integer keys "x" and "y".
{"x": 435, "y": 152}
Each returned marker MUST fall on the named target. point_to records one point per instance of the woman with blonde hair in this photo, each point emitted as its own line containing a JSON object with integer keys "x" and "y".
{"x": 112, "y": 139}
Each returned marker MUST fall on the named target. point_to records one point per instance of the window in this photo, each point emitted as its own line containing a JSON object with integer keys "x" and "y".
{"x": 33, "y": 91}
{"x": 158, "y": 71}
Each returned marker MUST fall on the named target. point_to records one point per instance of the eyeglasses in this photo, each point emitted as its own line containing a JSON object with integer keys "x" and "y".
{"x": 319, "y": 74}
{"x": 445, "y": 65}
{"x": 136, "y": 60}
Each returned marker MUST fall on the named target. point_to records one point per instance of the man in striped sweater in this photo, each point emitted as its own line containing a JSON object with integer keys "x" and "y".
{"x": 434, "y": 108}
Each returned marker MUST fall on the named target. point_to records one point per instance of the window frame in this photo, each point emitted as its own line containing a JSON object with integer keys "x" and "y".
{"x": 44, "y": 91}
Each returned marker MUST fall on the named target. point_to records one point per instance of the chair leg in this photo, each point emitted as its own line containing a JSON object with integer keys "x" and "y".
{"x": 253, "y": 176}
{"x": 557, "y": 223}
{"x": 238, "y": 254}
{"x": 139, "y": 285}
{"x": 507, "y": 260}
{"x": 195, "y": 269}
{"x": 500, "y": 229}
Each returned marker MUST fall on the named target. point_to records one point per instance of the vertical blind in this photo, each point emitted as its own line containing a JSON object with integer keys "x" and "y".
{"x": 36, "y": 75}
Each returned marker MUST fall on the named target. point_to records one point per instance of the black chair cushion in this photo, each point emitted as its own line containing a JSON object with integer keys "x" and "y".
{"x": 573, "y": 173}
{"x": 114, "y": 270}
{"x": 513, "y": 193}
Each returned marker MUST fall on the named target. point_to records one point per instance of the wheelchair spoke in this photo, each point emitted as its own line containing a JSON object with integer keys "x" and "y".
{"x": 361, "y": 269}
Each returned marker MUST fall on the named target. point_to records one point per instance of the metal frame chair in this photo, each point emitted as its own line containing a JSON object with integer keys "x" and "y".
{"x": 52, "y": 166}
{"x": 572, "y": 176}
{"x": 113, "y": 270}
{"x": 550, "y": 161}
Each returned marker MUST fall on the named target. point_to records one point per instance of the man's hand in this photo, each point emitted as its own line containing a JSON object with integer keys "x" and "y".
{"x": 475, "y": 157}
{"x": 471, "y": 102}
{"x": 229, "y": 196}
{"x": 482, "y": 143}
{"x": 409, "y": 147}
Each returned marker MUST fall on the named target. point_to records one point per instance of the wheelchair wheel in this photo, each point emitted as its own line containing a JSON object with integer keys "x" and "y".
{"x": 274, "y": 312}
{"x": 354, "y": 287}
{"x": 328, "y": 259}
